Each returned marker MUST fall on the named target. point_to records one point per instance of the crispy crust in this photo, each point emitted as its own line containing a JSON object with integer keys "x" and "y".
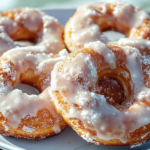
{"x": 36, "y": 36}
{"x": 38, "y": 127}
{"x": 140, "y": 135}
{"x": 40, "y": 124}
{"x": 107, "y": 22}
{"x": 22, "y": 33}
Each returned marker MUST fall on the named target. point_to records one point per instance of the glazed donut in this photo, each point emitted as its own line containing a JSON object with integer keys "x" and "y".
{"x": 142, "y": 45}
{"x": 23, "y": 115}
{"x": 77, "y": 95}
{"x": 89, "y": 21}
{"x": 32, "y": 25}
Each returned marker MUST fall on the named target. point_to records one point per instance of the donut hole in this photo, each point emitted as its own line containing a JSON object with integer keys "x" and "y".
{"x": 24, "y": 43}
{"x": 27, "y": 89}
{"x": 24, "y": 37}
{"x": 113, "y": 35}
{"x": 112, "y": 91}
{"x": 21, "y": 41}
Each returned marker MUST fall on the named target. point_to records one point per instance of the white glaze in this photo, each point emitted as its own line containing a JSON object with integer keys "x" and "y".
{"x": 51, "y": 35}
{"x": 142, "y": 45}
{"x": 6, "y": 43}
{"x": 83, "y": 27}
{"x": 95, "y": 112}
{"x": 30, "y": 18}
{"x": 101, "y": 48}
{"x": 47, "y": 28}
{"x": 42, "y": 64}
{"x": 8, "y": 24}
{"x": 134, "y": 16}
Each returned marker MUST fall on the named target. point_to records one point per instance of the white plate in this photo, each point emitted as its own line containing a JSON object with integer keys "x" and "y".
{"x": 68, "y": 139}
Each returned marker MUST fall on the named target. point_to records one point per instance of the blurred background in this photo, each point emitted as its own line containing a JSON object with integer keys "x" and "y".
{"x": 52, "y": 4}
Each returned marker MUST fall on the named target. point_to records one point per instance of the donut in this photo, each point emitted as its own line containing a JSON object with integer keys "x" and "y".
{"x": 29, "y": 24}
{"x": 142, "y": 45}
{"x": 77, "y": 94}
{"x": 89, "y": 21}
{"x": 23, "y": 115}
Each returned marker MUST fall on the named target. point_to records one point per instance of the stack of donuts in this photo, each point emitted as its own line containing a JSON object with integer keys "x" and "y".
{"x": 101, "y": 89}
